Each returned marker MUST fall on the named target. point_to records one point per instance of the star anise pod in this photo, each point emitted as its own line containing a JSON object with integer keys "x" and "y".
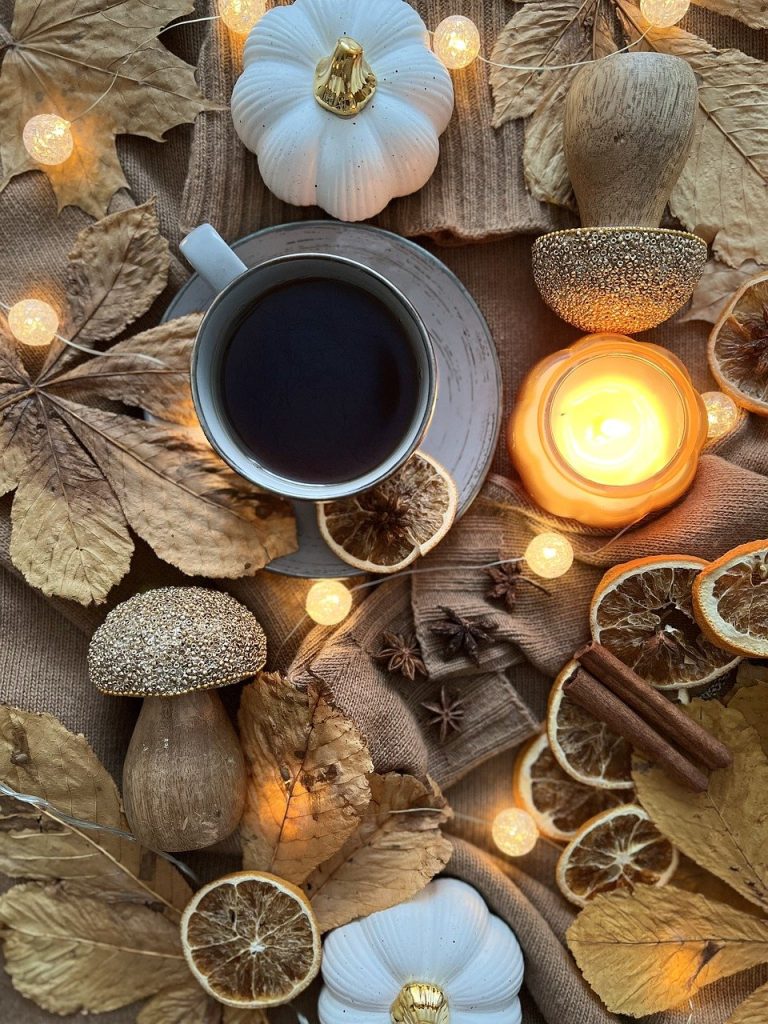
{"x": 448, "y": 713}
{"x": 465, "y": 635}
{"x": 402, "y": 654}
{"x": 504, "y": 583}
{"x": 754, "y": 332}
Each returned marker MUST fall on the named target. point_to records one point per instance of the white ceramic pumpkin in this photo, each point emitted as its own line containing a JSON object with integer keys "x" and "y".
{"x": 343, "y": 103}
{"x": 442, "y": 957}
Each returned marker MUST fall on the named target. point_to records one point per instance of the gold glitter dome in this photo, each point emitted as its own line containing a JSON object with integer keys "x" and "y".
{"x": 174, "y": 640}
{"x": 617, "y": 279}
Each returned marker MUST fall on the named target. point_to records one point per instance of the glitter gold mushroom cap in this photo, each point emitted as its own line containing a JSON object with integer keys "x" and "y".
{"x": 174, "y": 640}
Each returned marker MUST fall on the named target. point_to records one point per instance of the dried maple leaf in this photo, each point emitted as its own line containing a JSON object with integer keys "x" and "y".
{"x": 84, "y": 474}
{"x": 72, "y": 953}
{"x": 725, "y": 829}
{"x": 39, "y": 757}
{"x": 307, "y": 777}
{"x": 716, "y": 288}
{"x": 61, "y": 58}
{"x": 389, "y": 858}
{"x": 655, "y": 949}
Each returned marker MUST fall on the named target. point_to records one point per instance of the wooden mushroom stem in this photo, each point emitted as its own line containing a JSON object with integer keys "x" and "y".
{"x": 184, "y": 773}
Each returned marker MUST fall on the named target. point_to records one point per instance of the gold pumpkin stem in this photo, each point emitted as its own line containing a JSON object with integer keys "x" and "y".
{"x": 420, "y": 1003}
{"x": 344, "y": 82}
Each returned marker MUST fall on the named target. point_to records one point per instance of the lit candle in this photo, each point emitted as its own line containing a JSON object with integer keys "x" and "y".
{"x": 607, "y": 431}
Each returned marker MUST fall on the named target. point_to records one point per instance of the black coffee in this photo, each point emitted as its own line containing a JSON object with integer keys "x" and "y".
{"x": 319, "y": 381}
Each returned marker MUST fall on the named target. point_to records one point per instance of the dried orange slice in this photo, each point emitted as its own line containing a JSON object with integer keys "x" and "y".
{"x": 584, "y": 748}
{"x": 251, "y": 940}
{"x": 642, "y": 611}
{"x": 730, "y": 599}
{"x": 738, "y": 346}
{"x": 385, "y": 529}
{"x": 557, "y": 803}
{"x": 615, "y": 851}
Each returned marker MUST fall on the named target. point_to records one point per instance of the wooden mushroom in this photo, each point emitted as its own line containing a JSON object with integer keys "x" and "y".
{"x": 629, "y": 124}
{"x": 184, "y": 772}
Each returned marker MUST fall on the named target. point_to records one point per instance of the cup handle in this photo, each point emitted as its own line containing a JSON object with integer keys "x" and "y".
{"x": 211, "y": 257}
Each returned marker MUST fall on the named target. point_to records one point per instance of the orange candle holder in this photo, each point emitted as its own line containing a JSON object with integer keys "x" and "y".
{"x": 607, "y": 431}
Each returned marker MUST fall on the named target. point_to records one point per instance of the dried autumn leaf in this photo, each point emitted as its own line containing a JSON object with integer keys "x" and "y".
{"x": 186, "y": 1003}
{"x": 716, "y": 288}
{"x": 61, "y": 59}
{"x": 71, "y": 953}
{"x": 307, "y": 777}
{"x": 40, "y": 758}
{"x": 752, "y": 703}
{"x": 84, "y": 475}
{"x": 390, "y": 857}
{"x": 541, "y": 34}
{"x": 753, "y": 1010}
{"x": 115, "y": 271}
{"x": 655, "y": 949}
{"x": 725, "y": 829}
{"x": 721, "y": 193}
{"x": 752, "y": 12}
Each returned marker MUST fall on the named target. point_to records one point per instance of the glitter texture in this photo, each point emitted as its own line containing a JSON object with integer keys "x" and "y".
{"x": 617, "y": 279}
{"x": 175, "y": 640}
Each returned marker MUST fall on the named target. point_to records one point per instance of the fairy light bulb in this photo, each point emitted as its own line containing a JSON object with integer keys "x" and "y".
{"x": 329, "y": 602}
{"x": 48, "y": 139}
{"x": 514, "y": 832}
{"x": 240, "y": 15}
{"x": 723, "y": 414}
{"x": 457, "y": 42}
{"x": 33, "y": 322}
{"x": 664, "y": 13}
{"x": 549, "y": 555}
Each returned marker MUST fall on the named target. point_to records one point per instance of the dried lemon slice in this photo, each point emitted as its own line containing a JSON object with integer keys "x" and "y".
{"x": 557, "y": 803}
{"x": 642, "y": 611}
{"x": 584, "y": 748}
{"x": 730, "y": 599}
{"x": 738, "y": 346}
{"x": 388, "y": 527}
{"x": 616, "y": 850}
{"x": 251, "y": 940}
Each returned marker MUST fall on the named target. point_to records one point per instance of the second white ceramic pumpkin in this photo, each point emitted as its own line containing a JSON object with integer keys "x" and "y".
{"x": 350, "y": 166}
{"x": 443, "y": 950}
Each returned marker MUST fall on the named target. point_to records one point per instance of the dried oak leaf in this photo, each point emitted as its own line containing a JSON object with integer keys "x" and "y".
{"x": 389, "y": 858}
{"x": 721, "y": 193}
{"x": 307, "y": 777}
{"x": 61, "y": 59}
{"x": 72, "y": 953}
{"x": 541, "y": 33}
{"x": 655, "y": 949}
{"x": 84, "y": 474}
{"x": 725, "y": 829}
{"x": 39, "y": 757}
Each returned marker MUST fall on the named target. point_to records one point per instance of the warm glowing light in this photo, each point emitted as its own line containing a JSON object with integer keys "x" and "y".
{"x": 33, "y": 322}
{"x": 664, "y": 13}
{"x": 723, "y": 414}
{"x": 613, "y": 428}
{"x": 329, "y": 602}
{"x": 240, "y": 15}
{"x": 549, "y": 555}
{"x": 514, "y": 832}
{"x": 457, "y": 42}
{"x": 48, "y": 139}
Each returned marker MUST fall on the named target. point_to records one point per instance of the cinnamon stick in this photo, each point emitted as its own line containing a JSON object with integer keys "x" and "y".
{"x": 653, "y": 707}
{"x": 583, "y": 689}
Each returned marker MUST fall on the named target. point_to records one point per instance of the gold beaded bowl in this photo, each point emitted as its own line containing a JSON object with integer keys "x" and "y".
{"x": 622, "y": 279}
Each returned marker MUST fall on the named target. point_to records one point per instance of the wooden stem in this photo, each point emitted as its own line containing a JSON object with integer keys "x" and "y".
{"x": 184, "y": 773}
